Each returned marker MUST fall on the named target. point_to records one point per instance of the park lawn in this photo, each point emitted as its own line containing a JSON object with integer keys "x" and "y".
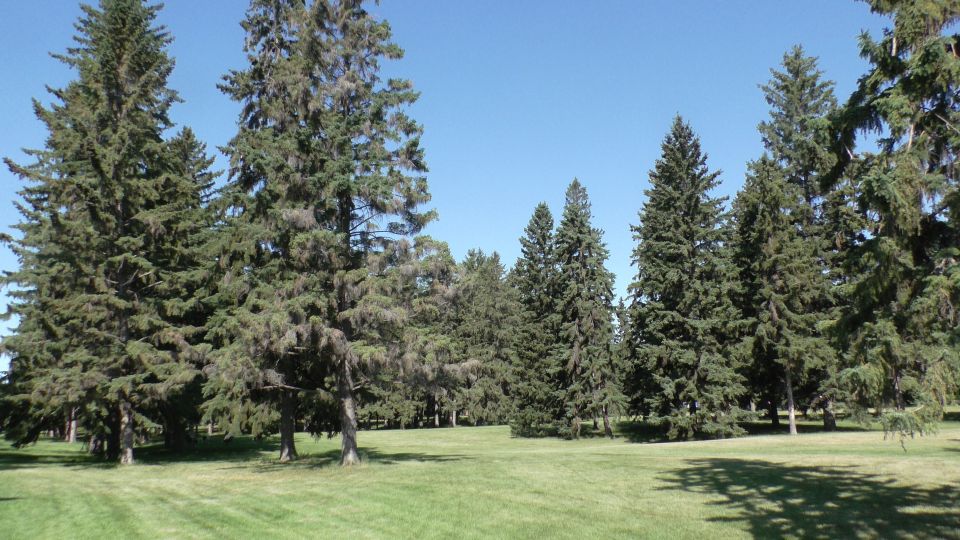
{"x": 481, "y": 483}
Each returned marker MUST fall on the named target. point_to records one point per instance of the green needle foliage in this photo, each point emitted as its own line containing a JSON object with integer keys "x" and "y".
{"x": 786, "y": 249}
{"x": 590, "y": 386}
{"x": 326, "y": 182}
{"x": 536, "y": 374}
{"x": 681, "y": 308}
{"x": 902, "y": 326}
{"x": 779, "y": 269}
{"x": 111, "y": 236}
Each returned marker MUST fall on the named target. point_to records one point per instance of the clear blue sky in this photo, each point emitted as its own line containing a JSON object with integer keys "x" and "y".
{"x": 518, "y": 97}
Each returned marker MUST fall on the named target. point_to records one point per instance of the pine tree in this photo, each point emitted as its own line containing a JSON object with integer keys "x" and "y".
{"x": 902, "y": 327}
{"x": 779, "y": 269}
{"x": 107, "y": 212}
{"x": 589, "y": 385}
{"x": 681, "y": 308}
{"x": 534, "y": 277}
{"x": 796, "y": 137}
{"x": 326, "y": 185}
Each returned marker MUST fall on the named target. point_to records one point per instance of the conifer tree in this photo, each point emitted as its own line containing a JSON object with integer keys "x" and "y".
{"x": 681, "y": 308}
{"x": 902, "y": 326}
{"x": 796, "y": 137}
{"x": 779, "y": 270}
{"x": 536, "y": 375}
{"x": 589, "y": 385}
{"x": 485, "y": 334}
{"x": 326, "y": 184}
{"x": 106, "y": 211}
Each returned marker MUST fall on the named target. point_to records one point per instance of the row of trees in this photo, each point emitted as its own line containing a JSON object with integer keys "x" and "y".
{"x": 300, "y": 295}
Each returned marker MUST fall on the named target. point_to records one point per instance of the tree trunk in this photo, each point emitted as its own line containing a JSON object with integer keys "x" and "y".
{"x": 772, "y": 413}
{"x": 126, "y": 432}
{"x": 897, "y": 390}
{"x": 607, "y": 428}
{"x": 210, "y": 428}
{"x": 288, "y": 426}
{"x": 348, "y": 416}
{"x": 453, "y": 418}
{"x": 436, "y": 412}
{"x": 596, "y": 424}
{"x": 791, "y": 407}
{"x": 71, "y": 435}
{"x": 829, "y": 418}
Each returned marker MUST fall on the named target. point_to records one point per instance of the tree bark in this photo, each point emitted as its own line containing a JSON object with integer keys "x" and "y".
{"x": 772, "y": 413}
{"x": 210, "y": 428}
{"x": 436, "y": 412}
{"x": 71, "y": 435}
{"x": 897, "y": 390}
{"x": 607, "y": 428}
{"x": 126, "y": 432}
{"x": 348, "y": 416}
{"x": 453, "y": 418}
{"x": 791, "y": 407}
{"x": 288, "y": 426}
{"x": 829, "y": 418}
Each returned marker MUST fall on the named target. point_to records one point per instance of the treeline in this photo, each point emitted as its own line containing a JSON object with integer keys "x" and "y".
{"x": 299, "y": 294}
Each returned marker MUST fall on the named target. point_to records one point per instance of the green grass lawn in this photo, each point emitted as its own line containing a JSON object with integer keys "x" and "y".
{"x": 480, "y": 482}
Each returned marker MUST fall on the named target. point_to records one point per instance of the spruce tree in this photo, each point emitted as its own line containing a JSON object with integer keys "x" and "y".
{"x": 534, "y": 277}
{"x": 779, "y": 270}
{"x": 485, "y": 334}
{"x": 106, "y": 211}
{"x": 326, "y": 183}
{"x": 681, "y": 309}
{"x": 902, "y": 327}
{"x": 589, "y": 384}
{"x": 796, "y": 137}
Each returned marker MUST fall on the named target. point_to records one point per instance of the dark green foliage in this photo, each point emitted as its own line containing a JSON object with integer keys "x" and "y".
{"x": 786, "y": 235}
{"x": 681, "y": 310}
{"x": 589, "y": 384}
{"x": 109, "y": 239}
{"x": 779, "y": 270}
{"x": 902, "y": 326}
{"x": 536, "y": 373}
{"x": 485, "y": 335}
{"x": 325, "y": 185}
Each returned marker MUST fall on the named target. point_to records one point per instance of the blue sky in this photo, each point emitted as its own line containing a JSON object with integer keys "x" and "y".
{"x": 518, "y": 97}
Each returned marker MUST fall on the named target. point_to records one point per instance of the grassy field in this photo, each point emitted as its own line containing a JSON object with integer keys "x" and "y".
{"x": 480, "y": 482}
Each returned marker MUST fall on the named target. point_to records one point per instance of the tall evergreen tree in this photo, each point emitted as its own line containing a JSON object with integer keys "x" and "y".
{"x": 681, "y": 308}
{"x": 902, "y": 327}
{"x": 535, "y": 279}
{"x": 796, "y": 137}
{"x": 589, "y": 385}
{"x": 326, "y": 183}
{"x": 779, "y": 270}
{"x": 107, "y": 211}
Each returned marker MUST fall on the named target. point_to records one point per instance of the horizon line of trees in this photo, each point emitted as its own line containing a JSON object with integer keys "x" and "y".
{"x": 302, "y": 295}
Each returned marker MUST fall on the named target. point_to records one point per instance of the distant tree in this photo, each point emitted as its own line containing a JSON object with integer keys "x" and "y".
{"x": 326, "y": 184}
{"x": 681, "y": 310}
{"x": 902, "y": 326}
{"x": 536, "y": 374}
{"x": 109, "y": 239}
{"x": 589, "y": 382}
{"x": 485, "y": 334}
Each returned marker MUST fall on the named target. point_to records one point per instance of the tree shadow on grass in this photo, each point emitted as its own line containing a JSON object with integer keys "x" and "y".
{"x": 331, "y": 458}
{"x": 778, "y": 500}
{"x": 12, "y": 458}
{"x": 640, "y": 431}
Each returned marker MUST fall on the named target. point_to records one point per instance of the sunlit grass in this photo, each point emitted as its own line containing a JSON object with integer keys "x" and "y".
{"x": 480, "y": 482}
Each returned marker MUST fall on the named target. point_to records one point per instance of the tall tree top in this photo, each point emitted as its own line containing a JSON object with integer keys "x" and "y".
{"x": 796, "y": 135}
